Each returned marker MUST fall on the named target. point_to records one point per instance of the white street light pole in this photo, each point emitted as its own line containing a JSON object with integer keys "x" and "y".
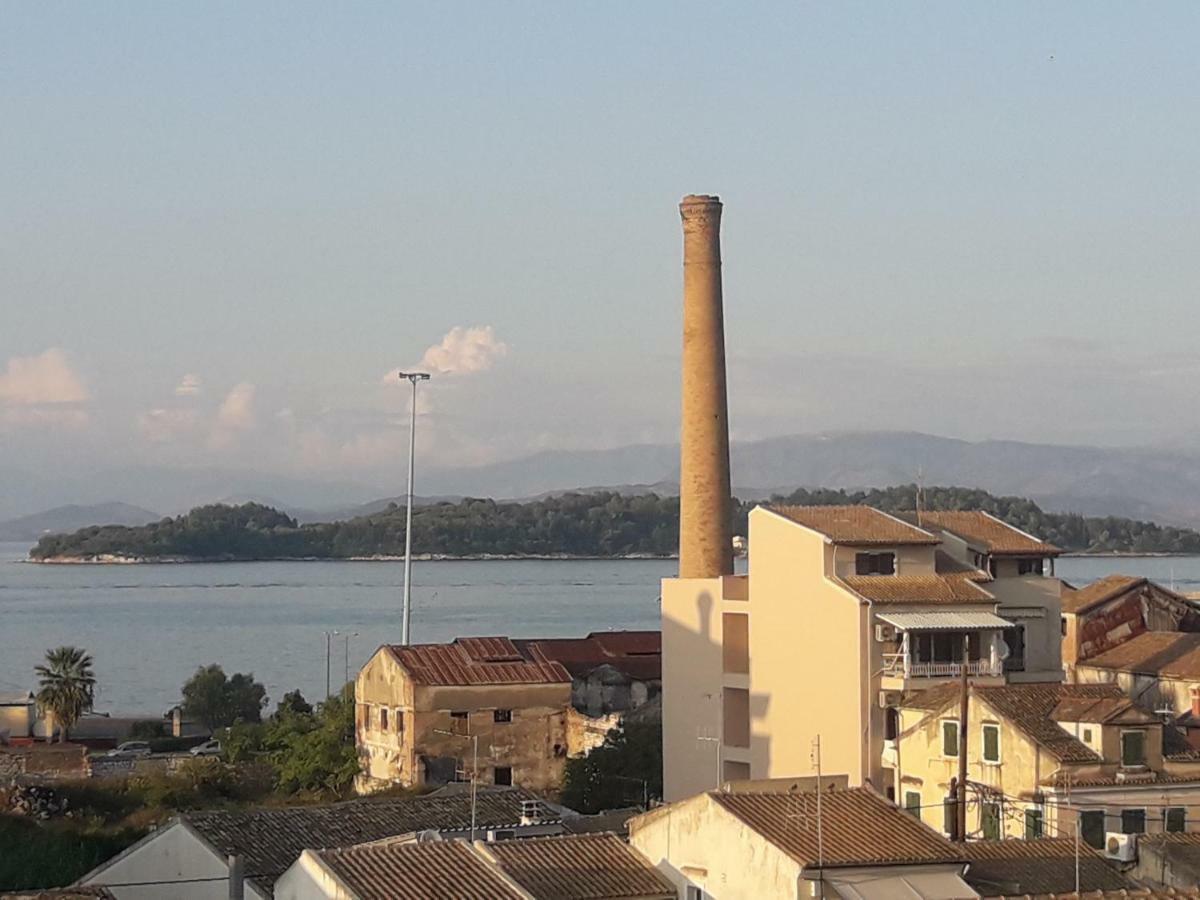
{"x": 413, "y": 377}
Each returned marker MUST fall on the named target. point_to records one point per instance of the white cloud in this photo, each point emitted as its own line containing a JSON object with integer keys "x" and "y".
{"x": 163, "y": 425}
{"x": 189, "y": 386}
{"x": 462, "y": 351}
{"x": 43, "y": 380}
{"x": 236, "y": 412}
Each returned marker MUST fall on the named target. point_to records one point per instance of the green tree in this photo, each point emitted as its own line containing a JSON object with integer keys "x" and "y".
{"x": 293, "y": 702}
{"x": 219, "y": 701}
{"x": 317, "y": 753}
{"x": 67, "y": 687}
{"x": 626, "y": 770}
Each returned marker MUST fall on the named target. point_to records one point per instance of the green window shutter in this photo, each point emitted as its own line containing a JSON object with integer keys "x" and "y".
{"x": 1091, "y": 826}
{"x": 950, "y": 739}
{"x": 991, "y": 743}
{"x": 1177, "y": 818}
{"x": 1133, "y": 748}
{"x": 989, "y": 821}
{"x": 1033, "y": 824}
{"x": 912, "y": 803}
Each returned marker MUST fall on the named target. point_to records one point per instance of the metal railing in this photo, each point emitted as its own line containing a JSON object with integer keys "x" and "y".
{"x": 900, "y": 664}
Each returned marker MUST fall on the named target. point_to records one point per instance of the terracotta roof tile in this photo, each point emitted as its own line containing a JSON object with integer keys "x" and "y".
{"x": 636, "y": 654}
{"x": 580, "y": 867}
{"x": 1124, "y": 894}
{"x": 471, "y": 661}
{"x": 858, "y": 827}
{"x": 1169, "y": 654}
{"x": 440, "y": 870}
{"x": 1029, "y": 707}
{"x": 1101, "y": 710}
{"x": 1038, "y": 866}
{"x": 945, "y": 564}
{"x": 270, "y": 840}
{"x": 941, "y": 589}
{"x": 1176, "y": 747}
{"x": 985, "y": 530}
{"x": 856, "y": 525}
{"x": 1079, "y": 600}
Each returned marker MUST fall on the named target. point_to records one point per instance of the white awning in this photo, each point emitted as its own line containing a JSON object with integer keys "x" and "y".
{"x": 944, "y": 621}
{"x": 885, "y": 884}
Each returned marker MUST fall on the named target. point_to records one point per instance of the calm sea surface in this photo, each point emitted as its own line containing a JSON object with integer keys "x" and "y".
{"x": 150, "y": 626}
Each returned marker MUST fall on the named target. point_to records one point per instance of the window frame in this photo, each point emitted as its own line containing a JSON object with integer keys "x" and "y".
{"x": 496, "y": 770}
{"x": 983, "y": 730}
{"x": 1141, "y": 735}
{"x": 1090, "y": 815}
{"x": 502, "y": 716}
{"x": 957, "y": 738}
{"x": 909, "y": 807}
{"x": 1133, "y": 809}
{"x": 1035, "y": 814}
{"x": 383, "y": 718}
{"x": 870, "y": 562}
{"x": 1182, "y": 810}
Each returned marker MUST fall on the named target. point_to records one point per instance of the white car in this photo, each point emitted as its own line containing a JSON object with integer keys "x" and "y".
{"x": 130, "y": 750}
{"x": 208, "y": 748}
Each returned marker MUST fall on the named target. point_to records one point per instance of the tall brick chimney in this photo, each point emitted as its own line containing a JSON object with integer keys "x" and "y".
{"x": 705, "y": 537}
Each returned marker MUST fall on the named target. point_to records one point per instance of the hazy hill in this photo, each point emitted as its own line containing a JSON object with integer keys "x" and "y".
{"x": 71, "y": 518}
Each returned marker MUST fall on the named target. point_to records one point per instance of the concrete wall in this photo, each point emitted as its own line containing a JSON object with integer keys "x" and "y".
{"x": 695, "y": 842}
{"x": 162, "y": 862}
{"x": 1035, "y": 602}
{"x": 308, "y": 879}
{"x": 808, "y": 651}
{"x": 692, "y": 684}
{"x": 17, "y": 720}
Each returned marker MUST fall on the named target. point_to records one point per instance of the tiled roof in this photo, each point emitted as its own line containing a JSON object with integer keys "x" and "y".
{"x": 945, "y": 564}
{"x": 580, "y": 867}
{"x": 475, "y": 661}
{"x": 1029, "y": 707}
{"x": 20, "y": 698}
{"x": 1180, "y": 848}
{"x": 1082, "y": 599}
{"x": 614, "y": 821}
{"x": 1176, "y": 747}
{"x": 982, "y": 529}
{"x": 1068, "y": 780}
{"x": 1170, "y": 654}
{"x": 858, "y": 827}
{"x": 636, "y": 654}
{"x": 272, "y": 839}
{"x": 857, "y": 525}
{"x": 66, "y": 893}
{"x": 439, "y": 870}
{"x": 1101, "y": 710}
{"x": 1038, "y": 866}
{"x": 917, "y": 589}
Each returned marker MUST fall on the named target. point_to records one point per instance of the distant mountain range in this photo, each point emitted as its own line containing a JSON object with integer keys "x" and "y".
{"x": 1151, "y": 484}
{"x": 71, "y": 518}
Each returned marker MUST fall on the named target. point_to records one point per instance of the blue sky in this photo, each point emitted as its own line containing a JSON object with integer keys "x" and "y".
{"x": 971, "y": 219}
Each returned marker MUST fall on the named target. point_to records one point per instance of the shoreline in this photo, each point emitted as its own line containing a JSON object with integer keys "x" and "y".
{"x": 116, "y": 560}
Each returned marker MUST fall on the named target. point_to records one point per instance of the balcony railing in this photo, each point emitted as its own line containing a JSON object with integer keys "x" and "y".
{"x": 901, "y": 665}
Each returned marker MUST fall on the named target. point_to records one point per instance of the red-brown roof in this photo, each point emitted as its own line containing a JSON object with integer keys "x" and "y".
{"x": 858, "y": 827}
{"x": 476, "y": 661}
{"x": 1101, "y": 710}
{"x": 1168, "y": 654}
{"x": 984, "y": 530}
{"x": 1082, "y": 599}
{"x": 939, "y": 589}
{"x": 1038, "y": 866}
{"x": 581, "y": 867}
{"x": 636, "y": 654}
{"x": 860, "y": 526}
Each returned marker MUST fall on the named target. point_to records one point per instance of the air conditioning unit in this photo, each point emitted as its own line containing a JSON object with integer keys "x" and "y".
{"x": 1122, "y": 847}
{"x": 885, "y": 632}
{"x": 888, "y": 699}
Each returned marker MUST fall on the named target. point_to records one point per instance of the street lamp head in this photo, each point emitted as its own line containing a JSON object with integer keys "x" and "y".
{"x": 414, "y": 376}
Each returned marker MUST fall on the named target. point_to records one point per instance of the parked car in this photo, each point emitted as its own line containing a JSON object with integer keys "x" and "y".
{"x": 130, "y": 750}
{"x": 208, "y": 748}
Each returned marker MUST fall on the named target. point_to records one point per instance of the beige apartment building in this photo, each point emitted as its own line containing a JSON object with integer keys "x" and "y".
{"x": 844, "y": 610}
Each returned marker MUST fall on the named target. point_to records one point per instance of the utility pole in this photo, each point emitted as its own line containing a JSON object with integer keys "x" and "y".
{"x": 348, "y": 635}
{"x": 328, "y": 641}
{"x": 413, "y": 377}
{"x": 960, "y": 802}
{"x": 820, "y": 838}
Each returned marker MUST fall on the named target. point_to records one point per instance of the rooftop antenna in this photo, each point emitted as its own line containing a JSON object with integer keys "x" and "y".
{"x": 920, "y": 492}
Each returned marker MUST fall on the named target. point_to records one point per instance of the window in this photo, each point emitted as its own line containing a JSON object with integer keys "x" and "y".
{"x": 875, "y": 564}
{"x": 503, "y": 834}
{"x": 1091, "y": 827}
{"x": 1176, "y": 817}
{"x": 1015, "y": 638}
{"x": 1029, "y": 566}
{"x": 912, "y": 803}
{"x": 1087, "y": 735}
{"x": 1133, "y": 821}
{"x": 949, "y": 738}
{"x": 1033, "y": 824}
{"x": 891, "y": 723}
{"x": 458, "y": 714}
{"x": 695, "y": 893}
{"x": 1133, "y": 748}
{"x": 1063, "y": 626}
{"x": 503, "y": 775}
{"x": 991, "y": 742}
{"x": 891, "y": 793}
{"x": 502, "y": 715}
{"x": 948, "y": 815}
{"x": 989, "y": 821}
{"x": 383, "y": 718}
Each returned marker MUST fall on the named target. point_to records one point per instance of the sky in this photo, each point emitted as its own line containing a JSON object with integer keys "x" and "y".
{"x": 222, "y": 225}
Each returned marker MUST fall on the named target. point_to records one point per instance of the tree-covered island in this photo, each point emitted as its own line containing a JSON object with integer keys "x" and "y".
{"x": 595, "y": 525}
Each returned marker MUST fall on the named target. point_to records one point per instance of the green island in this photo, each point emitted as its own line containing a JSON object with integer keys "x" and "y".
{"x": 601, "y": 525}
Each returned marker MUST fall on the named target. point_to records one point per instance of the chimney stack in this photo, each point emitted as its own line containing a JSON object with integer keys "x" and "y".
{"x": 705, "y": 535}
{"x": 1194, "y": 690}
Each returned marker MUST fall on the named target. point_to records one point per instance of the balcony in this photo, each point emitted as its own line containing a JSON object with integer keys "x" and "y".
{"x": 902, "y": 665}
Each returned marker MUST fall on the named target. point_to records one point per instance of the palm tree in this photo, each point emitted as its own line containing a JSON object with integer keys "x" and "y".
{"x": 68, "y": 687}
